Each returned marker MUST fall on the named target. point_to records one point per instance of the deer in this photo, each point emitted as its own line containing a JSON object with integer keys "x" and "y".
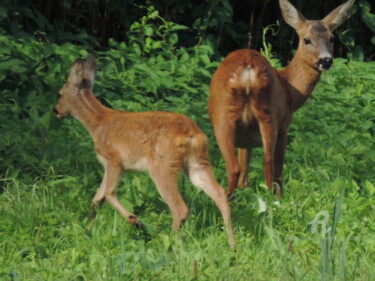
{"x": 251, "y": 104}
{"x": 161, "y": 143}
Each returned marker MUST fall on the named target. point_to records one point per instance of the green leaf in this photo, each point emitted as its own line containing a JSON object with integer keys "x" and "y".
{"x": 173, "y": 39}
{"x": 368, "y": 18}
{"x": 14, "y": 65}
{"x": 370, "y": 188}
{"x": 177, "y": 27}
{"x": 148, "y": 30}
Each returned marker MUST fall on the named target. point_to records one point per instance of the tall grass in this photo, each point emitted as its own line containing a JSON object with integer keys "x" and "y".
{"x": 45, "y": 234}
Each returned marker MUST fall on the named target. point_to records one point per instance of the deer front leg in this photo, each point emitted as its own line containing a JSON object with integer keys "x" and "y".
{"x": 224, "y": 133}
{"x": 243, "y": 160}
{"x": 98, "y": 200}
{"x": 279, "y": 158}
{"x": 269, "y": 139}
{"x": 108, "y": 188}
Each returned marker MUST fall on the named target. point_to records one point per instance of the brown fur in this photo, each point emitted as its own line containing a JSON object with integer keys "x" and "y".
{"x": 161, "y": 143}
{"x": 251, "y": 104}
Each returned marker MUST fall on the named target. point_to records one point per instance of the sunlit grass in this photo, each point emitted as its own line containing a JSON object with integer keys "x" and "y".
{"x": 42, "y": 239}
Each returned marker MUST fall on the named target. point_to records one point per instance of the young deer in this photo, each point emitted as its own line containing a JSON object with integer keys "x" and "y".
{"x": 161, "y": 143}
{"x": 251, "y": 103}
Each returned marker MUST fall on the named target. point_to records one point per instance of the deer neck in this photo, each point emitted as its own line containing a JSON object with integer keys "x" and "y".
{"x": 89, "y": 111}
{"x": 299, "y": 79}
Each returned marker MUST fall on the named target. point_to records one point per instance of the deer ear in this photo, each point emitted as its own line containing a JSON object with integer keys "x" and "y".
{"x": 290, "y": 14}
{"x": 338, "y": 15}
{"x": 89, "y": 71}
{"x": 76, "y": 73}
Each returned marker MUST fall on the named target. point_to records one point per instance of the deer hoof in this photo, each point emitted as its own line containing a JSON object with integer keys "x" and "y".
{"x": 133, "y": 219}
{"x": 230, "y": 196}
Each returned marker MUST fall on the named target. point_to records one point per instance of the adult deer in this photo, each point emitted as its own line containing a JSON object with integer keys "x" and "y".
{"x": 161, "y": 143}
{"x": 251, "y": 103}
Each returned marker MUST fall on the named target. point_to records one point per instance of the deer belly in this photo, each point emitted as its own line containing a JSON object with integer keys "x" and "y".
{"x": 247, "y": 137}
{"x": 133, "y": 160}
{"x": 139, "y": 165}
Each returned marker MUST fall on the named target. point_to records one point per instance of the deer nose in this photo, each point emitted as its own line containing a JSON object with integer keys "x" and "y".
{"x": 55, "y": 110}
{"x": 325, "y": 63}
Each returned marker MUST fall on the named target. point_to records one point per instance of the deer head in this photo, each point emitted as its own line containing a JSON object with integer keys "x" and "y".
{"x": 80, "y": 79}
{"x": 316, "y": 36}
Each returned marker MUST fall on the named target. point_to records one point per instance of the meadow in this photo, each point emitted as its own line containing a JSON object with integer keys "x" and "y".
{"x": 323, "y": 228}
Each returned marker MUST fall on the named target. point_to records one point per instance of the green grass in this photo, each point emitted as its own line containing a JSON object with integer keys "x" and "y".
{"x": 45, "y": 233}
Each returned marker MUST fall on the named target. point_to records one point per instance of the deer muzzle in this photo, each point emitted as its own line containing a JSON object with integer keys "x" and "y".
{"x": 325, "y": 63}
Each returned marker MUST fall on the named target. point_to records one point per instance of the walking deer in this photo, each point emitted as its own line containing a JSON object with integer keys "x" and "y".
{"x": 251, "y": 104}
{"x": 161, "y": 143}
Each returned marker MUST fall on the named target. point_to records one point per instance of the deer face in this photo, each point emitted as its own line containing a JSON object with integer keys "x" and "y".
{"x": 66, "y": 100}
{"x": 70, "y": 91}
{"x": 316, "y": 43}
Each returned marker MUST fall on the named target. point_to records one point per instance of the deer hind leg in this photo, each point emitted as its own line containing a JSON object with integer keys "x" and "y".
{"x": 201, "y": 176}
{"x": 224, "y": 133}
{"x": 165, "y": 179}
{"x": 107, "y": 191}
{"x": 243, "y": 160}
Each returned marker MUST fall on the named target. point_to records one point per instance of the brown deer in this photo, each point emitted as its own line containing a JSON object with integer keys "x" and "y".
{"x": 161, "y": 143}
{"x": 251, "y": 104}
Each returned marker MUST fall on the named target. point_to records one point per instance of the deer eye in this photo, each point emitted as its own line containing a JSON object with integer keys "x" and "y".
{"x": 307, "y": 41}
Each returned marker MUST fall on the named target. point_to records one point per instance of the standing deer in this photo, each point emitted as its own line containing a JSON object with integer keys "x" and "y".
{"x": 161, "y": 143}
{"x": 251, "y": 103}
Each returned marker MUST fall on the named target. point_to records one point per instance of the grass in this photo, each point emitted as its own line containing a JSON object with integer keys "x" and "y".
{"x": 45, "y": 233}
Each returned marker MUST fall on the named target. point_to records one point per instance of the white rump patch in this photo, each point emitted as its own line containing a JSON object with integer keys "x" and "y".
{"x": 244, "y": 80}
{"x": 247, "y": 77}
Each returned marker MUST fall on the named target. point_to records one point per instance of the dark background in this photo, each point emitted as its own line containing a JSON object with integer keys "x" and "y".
{"x": 225, "y": 24}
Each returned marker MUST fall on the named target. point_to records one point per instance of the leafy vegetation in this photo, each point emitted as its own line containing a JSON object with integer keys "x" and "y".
{"x": 222, "y": 24}
{"x": 322, "y": 229}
